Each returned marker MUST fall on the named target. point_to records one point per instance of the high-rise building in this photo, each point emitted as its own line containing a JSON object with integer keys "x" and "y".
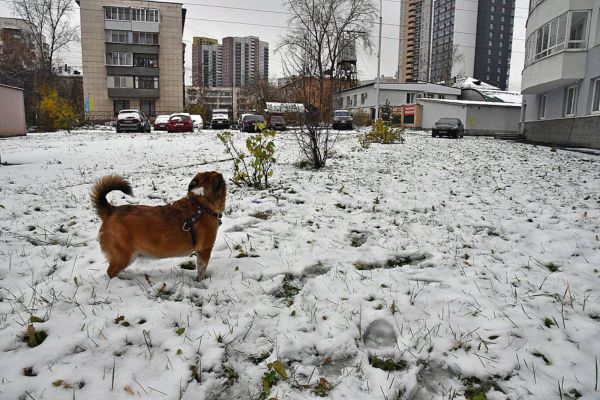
{"x": 561, "y": 79}
{"x": 132, "y": 56}
{"x": 415, "y": 33}
{"x": 443, "y": 39}
{"x": 206, "y": 62}
{"x": 245, "y": 59}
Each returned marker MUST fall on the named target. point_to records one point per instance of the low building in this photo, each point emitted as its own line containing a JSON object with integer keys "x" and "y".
{"x": 12, "y": 112}
{"x": 561, "y": 79}
{"x": 477, "y": 90}
{"x": 215, "y": 98}
{"x": 478, "y": 117}
{"x": 364, "y": 97}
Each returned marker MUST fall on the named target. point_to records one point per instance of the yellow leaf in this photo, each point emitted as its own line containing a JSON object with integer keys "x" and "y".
{"x": 57, "y": 383}
{"x": 279, "y": 368}
{"x": 129, "y": 390}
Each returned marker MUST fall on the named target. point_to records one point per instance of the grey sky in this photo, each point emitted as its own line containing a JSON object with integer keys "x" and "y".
{"x": 367, "y": 62}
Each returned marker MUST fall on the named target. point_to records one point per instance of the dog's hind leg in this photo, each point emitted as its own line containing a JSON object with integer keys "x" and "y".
{"x": 117, "y": 262}
{"x": 202, "y": 258}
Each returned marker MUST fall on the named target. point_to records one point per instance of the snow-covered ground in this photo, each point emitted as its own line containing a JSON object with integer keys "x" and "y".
{"x": 469, "y": 268}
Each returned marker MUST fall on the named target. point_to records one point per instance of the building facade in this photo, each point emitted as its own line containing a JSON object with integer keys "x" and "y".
{"x": 444, "y": 39}
{"x": 415, "y": 39}
{"x": 245, "y": 59}
{"x": 132, "y": 56}
{"x": 206, "y": 62}
{"x": 561, "y": 79}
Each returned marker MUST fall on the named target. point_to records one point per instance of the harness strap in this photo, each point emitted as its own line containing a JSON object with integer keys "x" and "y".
{"x": 189, "y": 224}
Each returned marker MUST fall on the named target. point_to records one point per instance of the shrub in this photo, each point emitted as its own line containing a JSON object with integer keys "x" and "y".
{"x": 253, "y": 169}
{"x": 361, "y": 118}
{"x": 382, "y": 133}
{"x": 58, "y": 112}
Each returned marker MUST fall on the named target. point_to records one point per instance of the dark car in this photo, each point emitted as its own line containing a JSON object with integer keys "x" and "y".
{"x": 180, "y": 123}
{"x": 250, "y": 123}
{"x": 220, "y": 119}
{"x": 342, "y": 119}
{"x": 132, "y": 121}
{"x": 448, "y": 127}
{"x": 275, "y": 121}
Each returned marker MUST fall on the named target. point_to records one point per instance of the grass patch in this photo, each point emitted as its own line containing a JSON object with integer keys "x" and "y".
{"x": 289, "y": 289}
{"x": 188, "y": 265}
{"x": 388, "y": 364}
{"x": 543, "y": 357}
{"x": 264, "y": 215}
{"x": 34, "y": 338}
{"x": 396, "y": 261}
{"x": 552, "y": 267}
{"x": 548, "y": 322}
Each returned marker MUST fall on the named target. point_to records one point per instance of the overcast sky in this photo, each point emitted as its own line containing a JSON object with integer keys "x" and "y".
{"x": 273, "y": 27}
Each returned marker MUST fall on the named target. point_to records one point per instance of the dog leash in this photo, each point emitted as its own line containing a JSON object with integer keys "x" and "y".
{"x": 189, "y": 224}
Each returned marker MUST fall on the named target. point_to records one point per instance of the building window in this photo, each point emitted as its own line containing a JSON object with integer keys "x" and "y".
{"x": 578, "y": 31}
{"x": 146, "y": 61}
{"x": 148, "y": 107}
{"x": 355, "y": 101}
{"x": 543, "y": 106}
{"x": 145, "y": 38}
{"x": 571, "y": 101}
{"x": 410, "y": 98}
{"x": 118, "y": 36}
{"x": 119, "y": 59}
{"x": 144, "y": 14}
{"x": 117, "y": 13}
{"x": 146, "y": 82}
{"x": 119, "y": 82}
{"x": 596, "y": 97}
{"x": 363, "y": 98}
{"x": 119, "y": 105}
{"x": 348, "y": 101}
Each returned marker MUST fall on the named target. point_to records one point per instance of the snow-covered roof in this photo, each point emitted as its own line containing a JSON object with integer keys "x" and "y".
{"x": 472, "y": 83}
{"x": 472, "y": 103}
{"x": 289, "y": 107}
{"x": 410, "y": 87}
{"x": 489, "y": 92}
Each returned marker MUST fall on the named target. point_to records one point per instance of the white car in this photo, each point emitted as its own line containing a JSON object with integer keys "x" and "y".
{"x": 197, "y": 119}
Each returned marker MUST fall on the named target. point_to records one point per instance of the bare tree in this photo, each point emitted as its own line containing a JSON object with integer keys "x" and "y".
{"x": 317, "y": 37}
{"x": 49, "y": 22}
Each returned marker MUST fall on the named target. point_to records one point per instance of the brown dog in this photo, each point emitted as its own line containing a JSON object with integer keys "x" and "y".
{"x": 173, "y": 230}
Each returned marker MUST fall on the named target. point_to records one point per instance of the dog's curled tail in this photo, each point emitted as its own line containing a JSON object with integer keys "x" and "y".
{"x": 104, "y": 186}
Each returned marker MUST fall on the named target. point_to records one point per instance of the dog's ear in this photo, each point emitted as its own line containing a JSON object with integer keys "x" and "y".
{"x": 218, "y": 182}
{"x": 193, "y": 184}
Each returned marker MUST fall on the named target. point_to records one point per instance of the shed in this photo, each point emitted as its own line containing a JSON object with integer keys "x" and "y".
{"x": 479, "y": 117}
{"x": 12, "y": 112}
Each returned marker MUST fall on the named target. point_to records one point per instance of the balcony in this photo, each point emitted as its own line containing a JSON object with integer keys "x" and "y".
{"x": 132, "y": 48}
{"x": 135, "y": 71}
{"x": 134, "y": 93}
{"x": 555, "y": 71}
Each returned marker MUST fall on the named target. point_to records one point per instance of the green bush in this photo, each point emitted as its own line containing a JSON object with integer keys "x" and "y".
{"x": 381, "y": 133}
{"x": 255, "y": 168}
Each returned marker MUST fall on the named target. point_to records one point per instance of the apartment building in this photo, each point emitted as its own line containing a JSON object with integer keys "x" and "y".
{"x": 132, "y": 56}
{"x": 444, "y": 39}
{"x": 415, "y": 39}
{"x": 244, "y": 59}
{"x": 18, "y": 30}
{"x": 561, "y": 78}
{"x": 206, "y": 62}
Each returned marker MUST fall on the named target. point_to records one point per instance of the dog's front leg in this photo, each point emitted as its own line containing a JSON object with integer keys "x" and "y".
{"x": 202, "y": 258}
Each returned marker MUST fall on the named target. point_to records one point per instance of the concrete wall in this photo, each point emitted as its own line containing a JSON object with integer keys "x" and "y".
{"x": 12, "y": 112}
{"x": 483, "y": 120}
{"x": 570, "y": 132}
{"x": 478, "y": 119}
{"x": 432, "y": 112}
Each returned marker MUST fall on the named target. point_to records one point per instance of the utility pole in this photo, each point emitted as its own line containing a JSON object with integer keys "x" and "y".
{"x": 378, "y": 62}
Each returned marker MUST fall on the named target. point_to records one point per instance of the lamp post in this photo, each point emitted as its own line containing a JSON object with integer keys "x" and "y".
{"x": 378, "y": 63}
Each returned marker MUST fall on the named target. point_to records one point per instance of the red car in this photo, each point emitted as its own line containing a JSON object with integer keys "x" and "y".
{"x": 180, "y": 123}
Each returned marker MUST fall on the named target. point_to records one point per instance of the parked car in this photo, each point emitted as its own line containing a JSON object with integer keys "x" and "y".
{"x": 180, "y": 123}
{"x": 220, "y": 119}
{"x": 241, "y": 119}
{"x": 342, "y": 119}
{"x": 250, "y": 121}
{"x": 132, "y": 121}
{"x": 275, "y": 121}
{"x": 197, "y": 120}
{"x": 448, "y": 127}
{"x": 160, "y": 123}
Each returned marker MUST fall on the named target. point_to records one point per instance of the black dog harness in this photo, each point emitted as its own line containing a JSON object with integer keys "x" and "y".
{"x": 189, "y": 224}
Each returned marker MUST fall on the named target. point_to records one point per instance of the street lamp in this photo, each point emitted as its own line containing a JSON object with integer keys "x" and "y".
{"x": 378, "y": 63}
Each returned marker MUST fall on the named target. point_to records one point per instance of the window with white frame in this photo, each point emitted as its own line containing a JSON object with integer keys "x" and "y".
{"x": 543, "y": 99}
{"x": 596, "y": 97}
{"x": 117, "y": 13}
{"x": 410, "y": 98}
{"x": 547, "y": 40}
{"x": 118, "y": 36}
{"x": 146, "y": 82}
{"x": 578, "y": 30}
{"x": 144, "y": 14}
{"x": 119, "y": 59}
{"x": 119, "y": 82}
{"x": 571, "y": 101}
{"x": 363, "y": 98}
